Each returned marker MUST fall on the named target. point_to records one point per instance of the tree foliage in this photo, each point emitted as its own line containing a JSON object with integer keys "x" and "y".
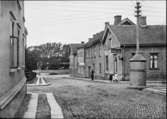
{"x": 52, "y": 56}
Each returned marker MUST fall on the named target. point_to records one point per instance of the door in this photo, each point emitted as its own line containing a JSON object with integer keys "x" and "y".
{"x": 89, "y": 71}
{"x": 115, "y": 64}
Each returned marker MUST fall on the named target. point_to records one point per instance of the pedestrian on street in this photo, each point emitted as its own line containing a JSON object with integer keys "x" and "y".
{"x": 92, "y": 74}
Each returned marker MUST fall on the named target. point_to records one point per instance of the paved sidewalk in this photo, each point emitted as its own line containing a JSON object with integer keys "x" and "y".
{"x": 32, "y": 107}
{"x": 99, "y": 80}
{"x": 88, "y": 79}
{"x": 155, "y": 87}
{"x": 56, "y": 112}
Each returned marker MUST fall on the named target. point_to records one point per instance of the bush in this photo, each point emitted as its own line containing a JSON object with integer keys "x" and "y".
{"x": 30, "y": 75}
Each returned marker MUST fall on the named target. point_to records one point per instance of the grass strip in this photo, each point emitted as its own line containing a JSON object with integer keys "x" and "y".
{"x": 43, "y": 108}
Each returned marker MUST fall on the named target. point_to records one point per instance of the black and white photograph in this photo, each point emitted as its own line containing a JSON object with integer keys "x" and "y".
{"x": 83, "y": 59}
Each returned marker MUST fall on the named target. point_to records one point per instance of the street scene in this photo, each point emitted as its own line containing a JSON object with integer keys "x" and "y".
{"x": 83, "y": 59}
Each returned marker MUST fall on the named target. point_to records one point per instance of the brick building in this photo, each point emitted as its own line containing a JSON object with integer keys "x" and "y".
{"x": 94, "y": 56}
{"x": 12, "y": 56}
{"x": 122, "y": 40}
{"x": 108, "y": 52}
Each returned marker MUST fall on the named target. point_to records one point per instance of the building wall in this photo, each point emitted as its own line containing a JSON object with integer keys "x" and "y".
{"x": 11, "y": 79}
{"x": 94, "y": 56}
{"x": 113, "y": 52}
{"x": 156, "y": 74}
{"x": 81, "y": 62}
{"x": 73, "y": 64}
{"x": 99, "y": 60}
{"x": 88, "y": 62}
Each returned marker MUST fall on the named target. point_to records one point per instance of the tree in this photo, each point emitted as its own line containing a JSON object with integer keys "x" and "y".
{"x": 52, "y": 55}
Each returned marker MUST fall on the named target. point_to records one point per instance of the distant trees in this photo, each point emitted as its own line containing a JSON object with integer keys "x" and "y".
{"x": 52, "y": 56}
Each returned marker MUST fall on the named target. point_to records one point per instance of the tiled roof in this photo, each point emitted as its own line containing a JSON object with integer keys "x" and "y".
{"x": 82, "y": 45}
{"x": 150, "y": 34}
{"x": 124, "y": 21}
{"x": 96, "y": 38}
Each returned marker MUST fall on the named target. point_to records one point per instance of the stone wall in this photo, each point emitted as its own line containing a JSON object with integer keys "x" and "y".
{"x": 12, "y": 80}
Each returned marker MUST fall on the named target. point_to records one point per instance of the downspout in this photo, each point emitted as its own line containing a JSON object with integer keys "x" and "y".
{"x": 123, "y": 60}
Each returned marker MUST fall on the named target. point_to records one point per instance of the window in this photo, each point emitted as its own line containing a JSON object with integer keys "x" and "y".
{"x": 106, "y": 63}
{"x": 23, "y": 50}
{"x": 153, "y": 60}
{"x": 99, "y": 50}
{"x": 108, "y": 45}
{"x": 99, "y": 67}
{"x": 115, "y": 63}
{"x": 18, "y": 45}
{"x": 13, "y": 42}
{"x": 12, "y": 53}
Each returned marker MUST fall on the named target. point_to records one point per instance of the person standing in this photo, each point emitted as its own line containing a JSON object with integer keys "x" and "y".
{"x": 92, "y": 74}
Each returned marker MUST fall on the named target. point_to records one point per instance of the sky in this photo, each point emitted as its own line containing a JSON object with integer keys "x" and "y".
{"x": 76, "y": 21}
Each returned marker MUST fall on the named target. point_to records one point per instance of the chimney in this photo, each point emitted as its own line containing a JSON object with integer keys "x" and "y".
{"x": 107, "y": 23}
{"x": 117, "y": 19}
{"x": 142, "y": 20}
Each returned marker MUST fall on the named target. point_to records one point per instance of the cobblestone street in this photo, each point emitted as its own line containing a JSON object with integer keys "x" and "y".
{"x": 81, "y": 99}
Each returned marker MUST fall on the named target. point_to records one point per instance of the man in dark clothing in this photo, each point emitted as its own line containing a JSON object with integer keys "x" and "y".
{"x": 92, "y": 75}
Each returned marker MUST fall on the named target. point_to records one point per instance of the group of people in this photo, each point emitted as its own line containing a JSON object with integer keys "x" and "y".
{"x": 115, "y": 77}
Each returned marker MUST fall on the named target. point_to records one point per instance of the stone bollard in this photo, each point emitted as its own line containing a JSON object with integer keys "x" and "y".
{"x": 138, "y": 72}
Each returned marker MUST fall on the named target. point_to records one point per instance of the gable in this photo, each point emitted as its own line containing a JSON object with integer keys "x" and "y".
{"x": 126, "y": 21}
{"x": 109, "y": 39}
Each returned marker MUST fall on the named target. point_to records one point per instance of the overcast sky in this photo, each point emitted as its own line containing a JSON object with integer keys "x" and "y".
{"x": 76, "y": 21}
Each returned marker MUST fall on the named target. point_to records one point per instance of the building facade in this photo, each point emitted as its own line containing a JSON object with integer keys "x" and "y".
{"x": 122, "y": 47}
{"x": 109, "y": 52}
{"x": 12, "y": 57}
{"x": 73, "y": 58}
{"x": 81, "y": 60}
{"x": 94, "y": 56}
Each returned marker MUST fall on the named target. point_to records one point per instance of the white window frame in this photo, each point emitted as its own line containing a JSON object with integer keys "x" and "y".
{"x": 153, "y": 61}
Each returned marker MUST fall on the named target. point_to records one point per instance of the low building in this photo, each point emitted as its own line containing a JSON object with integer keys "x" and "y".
{"x": 73, "y": 58}
{"x": 94, "y": 56}
{"x": 81, "y": 60}
{"x": 12, "y": 57}
{"x": 113, "y": 61}
{"x": 122, "y": 46}
{"x": 109, "y": 52}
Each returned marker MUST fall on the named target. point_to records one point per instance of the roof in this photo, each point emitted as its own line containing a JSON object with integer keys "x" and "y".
{"x": 126, "y": 21}
{"x": 73, "y": 47}
{"x": 96, "y": 39}
{"x": 82, "y": 45}
{"x": 150, "y": 34}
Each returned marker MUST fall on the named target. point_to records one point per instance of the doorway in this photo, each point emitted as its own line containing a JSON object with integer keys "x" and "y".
{"x": 89, "y": 69}
{"x": 115, "y": 64}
